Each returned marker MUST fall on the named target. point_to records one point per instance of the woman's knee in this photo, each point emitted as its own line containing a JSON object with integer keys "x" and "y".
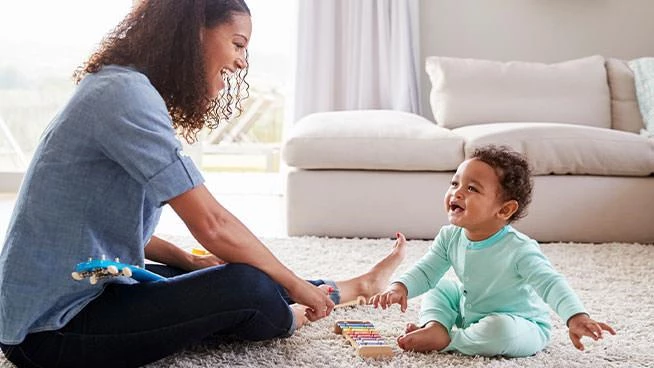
{"x": 257, "y": 296}
{"x": 245, "y": 275}
{"x": 252, "y": 282}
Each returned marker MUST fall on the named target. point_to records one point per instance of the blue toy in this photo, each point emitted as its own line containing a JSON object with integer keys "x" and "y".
{"x": 96, "y": 269}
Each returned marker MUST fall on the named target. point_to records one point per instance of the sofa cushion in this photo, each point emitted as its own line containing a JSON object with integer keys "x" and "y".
{"x": 474, "y": 91}
{"x": 553, "y": 148}
{"x": 625, "y": 114}
{"x": 371, "y": 140}
{"x": 644, "y": 83}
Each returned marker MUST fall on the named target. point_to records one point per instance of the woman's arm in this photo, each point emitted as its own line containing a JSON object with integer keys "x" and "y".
{"x": 222, "y": 234}
{"x": 159, "y": 250}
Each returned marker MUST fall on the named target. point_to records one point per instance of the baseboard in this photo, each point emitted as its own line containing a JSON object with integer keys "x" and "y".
{"x": 10, "y": 181}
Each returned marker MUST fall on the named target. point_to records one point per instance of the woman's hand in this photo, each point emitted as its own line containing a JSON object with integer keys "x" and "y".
{"x": 222, "y": 234}
{"x": 199, "y": 262}
{"x": 162, "y": 251}
{"x": 396, "y": 293}
{"x": 582, "y": 325}
{"x": 317, "y": 301}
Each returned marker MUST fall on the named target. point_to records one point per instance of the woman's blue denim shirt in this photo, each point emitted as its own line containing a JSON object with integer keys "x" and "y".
{"x": 104, "y": 168}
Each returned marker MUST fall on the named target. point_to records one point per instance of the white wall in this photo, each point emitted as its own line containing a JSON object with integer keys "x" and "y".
{"x": 534, "y": 30}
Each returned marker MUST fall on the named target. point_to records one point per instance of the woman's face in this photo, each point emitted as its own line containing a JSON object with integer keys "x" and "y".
{"x": 224, "y": 47}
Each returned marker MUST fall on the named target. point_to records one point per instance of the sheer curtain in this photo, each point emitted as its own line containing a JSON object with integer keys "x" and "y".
{"x": 361, "y": 54}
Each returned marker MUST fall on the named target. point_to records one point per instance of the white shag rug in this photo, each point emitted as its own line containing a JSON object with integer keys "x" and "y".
{"x": 615, "y": 282}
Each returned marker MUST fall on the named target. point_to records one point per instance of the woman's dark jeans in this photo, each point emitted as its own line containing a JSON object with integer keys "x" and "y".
{"x": 132, "y": 325}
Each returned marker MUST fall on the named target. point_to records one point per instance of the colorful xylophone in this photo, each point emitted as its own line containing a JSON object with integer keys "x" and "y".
{"x": 365, "y": 338}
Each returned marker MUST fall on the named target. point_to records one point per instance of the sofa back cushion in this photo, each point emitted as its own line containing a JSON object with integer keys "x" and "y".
{"x": 371, "y": 140}
{"x": 625, "y": 114}
{"x": 554, "y": 148}
{"x": 474, "y": 91}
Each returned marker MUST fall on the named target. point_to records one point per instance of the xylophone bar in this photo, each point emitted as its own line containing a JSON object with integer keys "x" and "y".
{"x": 364, "y": 337}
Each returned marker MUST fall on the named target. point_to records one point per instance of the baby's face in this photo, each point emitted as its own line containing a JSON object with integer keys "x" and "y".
{"x": 473, "y": 200}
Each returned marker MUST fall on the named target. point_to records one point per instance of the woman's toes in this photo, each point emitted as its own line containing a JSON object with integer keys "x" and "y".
{"x": 326, "y": 288}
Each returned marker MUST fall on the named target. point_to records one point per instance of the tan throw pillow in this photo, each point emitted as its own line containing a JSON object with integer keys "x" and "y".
{"x": 474, "y": 91}
{"x": 625, "y": 114}
{"x": 371, "y": 140}
{"x": 555, "y": 148}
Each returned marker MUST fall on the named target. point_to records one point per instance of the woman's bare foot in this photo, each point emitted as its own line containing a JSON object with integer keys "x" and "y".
{"x": 299, "y": 311}
{"x": 429, "y": 338}
{"x": 377, "y": 278}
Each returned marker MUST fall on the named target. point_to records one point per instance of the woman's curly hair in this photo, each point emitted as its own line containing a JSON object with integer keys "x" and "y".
{"x": 513, "y": 172}
{"x": 161, "y": 38}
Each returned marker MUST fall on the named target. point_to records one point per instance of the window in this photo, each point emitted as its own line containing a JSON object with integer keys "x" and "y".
{"x": 43, "y": 43}
{"x": 252, "y": 141}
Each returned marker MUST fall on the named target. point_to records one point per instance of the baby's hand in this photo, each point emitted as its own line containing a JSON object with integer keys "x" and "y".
{"x": 581, "y": 325}
{"x": 395, "y": 293}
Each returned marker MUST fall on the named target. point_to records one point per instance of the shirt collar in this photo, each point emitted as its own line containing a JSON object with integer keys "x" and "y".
{"x": 490, "y": 241}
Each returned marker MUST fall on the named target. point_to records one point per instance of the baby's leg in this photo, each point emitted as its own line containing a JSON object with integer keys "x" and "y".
{"x": 500, "y": 334}
{"x": 433, "y": 336}
{"x": 438, "y": 313}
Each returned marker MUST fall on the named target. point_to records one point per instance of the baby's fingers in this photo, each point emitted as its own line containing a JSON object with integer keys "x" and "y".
{"x": 374, "y": 300}
{"x": 385, "y": 300}
{"x": 606, "y": 327}
{"x": 377, "y": 301}
{"x": 596, "y": 328}
{"x": 576, "y": 341}
{"x": 403, "y": 304}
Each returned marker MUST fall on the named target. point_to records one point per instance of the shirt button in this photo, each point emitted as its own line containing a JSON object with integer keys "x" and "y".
{"x": 465, "y": 292}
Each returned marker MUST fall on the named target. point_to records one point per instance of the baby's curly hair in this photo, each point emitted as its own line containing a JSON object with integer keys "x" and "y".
{"x": 513, "y": 172}
{"x": 162, "y": 40}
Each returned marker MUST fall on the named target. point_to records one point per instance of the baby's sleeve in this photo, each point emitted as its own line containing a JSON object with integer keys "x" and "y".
{"x": 425, "y": 274}
{"x": 549, "y": 284}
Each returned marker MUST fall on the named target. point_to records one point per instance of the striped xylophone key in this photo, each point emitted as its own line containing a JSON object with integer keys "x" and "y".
{"x": 364, "y": 337}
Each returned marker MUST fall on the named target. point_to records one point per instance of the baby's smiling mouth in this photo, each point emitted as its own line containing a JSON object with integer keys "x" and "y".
{"x": 456, "y": 208}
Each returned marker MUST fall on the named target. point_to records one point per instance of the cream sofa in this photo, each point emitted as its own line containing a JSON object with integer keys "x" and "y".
{"x": 374, "y": 172}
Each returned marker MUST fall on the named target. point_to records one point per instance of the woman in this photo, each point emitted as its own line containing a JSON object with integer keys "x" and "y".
{"x": 106, "y": 165}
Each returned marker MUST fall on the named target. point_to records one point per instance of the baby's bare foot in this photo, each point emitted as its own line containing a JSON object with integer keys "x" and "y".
{"x": 299, "y": 311}
{"x": 410, "y": 327}
{"x": 429, "y": 338}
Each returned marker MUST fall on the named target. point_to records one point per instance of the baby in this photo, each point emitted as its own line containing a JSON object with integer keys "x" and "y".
{"x": 499, "y": 304}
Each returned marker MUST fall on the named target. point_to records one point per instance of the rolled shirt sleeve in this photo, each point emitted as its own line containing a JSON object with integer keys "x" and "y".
{"x": 138, "y": 135}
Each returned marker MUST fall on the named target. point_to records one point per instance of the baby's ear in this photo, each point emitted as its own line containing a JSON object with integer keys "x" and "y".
{"x": 508, "y": 209}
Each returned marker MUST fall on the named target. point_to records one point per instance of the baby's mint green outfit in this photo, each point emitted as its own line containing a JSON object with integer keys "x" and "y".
{"x": 498, "y": 307}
